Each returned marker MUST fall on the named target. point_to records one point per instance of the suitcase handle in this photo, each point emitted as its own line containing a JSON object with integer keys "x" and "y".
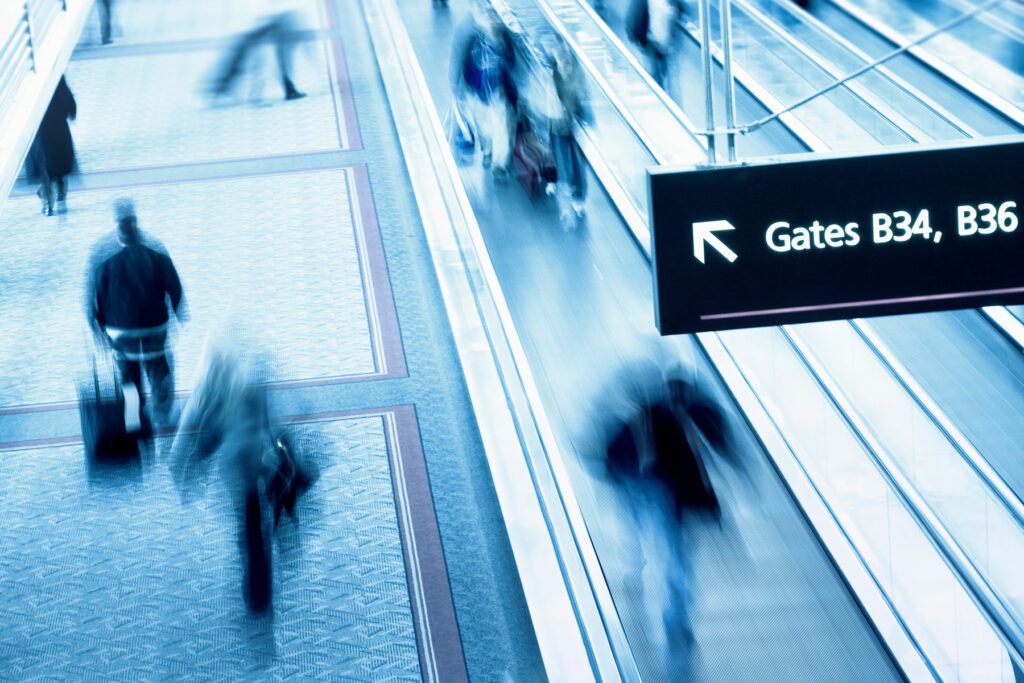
{"x": 95, "y": 370}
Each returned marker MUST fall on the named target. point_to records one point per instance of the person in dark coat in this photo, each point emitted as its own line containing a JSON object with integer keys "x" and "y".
{"x": 654, "y": 458}
{"x": 52, "y": 155}
{"x": 130, "y": 287}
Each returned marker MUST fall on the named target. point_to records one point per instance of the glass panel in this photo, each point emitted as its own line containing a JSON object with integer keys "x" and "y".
{"x": 794, "y": 23}
{"x": 950, "y": 629}
{"x": 839, "y": 118}
{"x": 973, "y": 514}
{"x": 974, "y": 48}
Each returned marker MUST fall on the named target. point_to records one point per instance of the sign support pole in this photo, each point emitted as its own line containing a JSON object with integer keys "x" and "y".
{"x": 730, "y": 89}
{"x": 709, "y": 92}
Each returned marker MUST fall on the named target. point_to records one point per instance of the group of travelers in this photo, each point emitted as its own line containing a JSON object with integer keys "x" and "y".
{"x": 523, "y": 107}
{"x": 133, "y": 297}
{"x": 656, "y": 453}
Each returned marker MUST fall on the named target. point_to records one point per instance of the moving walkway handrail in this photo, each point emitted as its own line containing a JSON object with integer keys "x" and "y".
{"x": 961, "y": 568}
{"x": 873, "y": 102}
{"x": 1008, "y": 109}
{"x": 970, "y": 453}
{"x": 855, "y": 51}
{"x": 996, "y": 484}
{"x": 23, "y": 26}
{"x": 610, "y": 658}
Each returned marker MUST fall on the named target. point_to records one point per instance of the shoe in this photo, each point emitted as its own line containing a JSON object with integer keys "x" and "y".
{"x": 578, "y": 208}
{"x": 294, "y": 95}
{"x": 487, "y": 159}
{"x": 47, "y": 209}
{"x": 62, "y": 206}
{"x": 568, "y": 220}
{"x": 550, "y": 189}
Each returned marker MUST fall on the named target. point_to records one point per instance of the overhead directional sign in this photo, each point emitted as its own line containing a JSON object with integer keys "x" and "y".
{"x": 838, "y": 237}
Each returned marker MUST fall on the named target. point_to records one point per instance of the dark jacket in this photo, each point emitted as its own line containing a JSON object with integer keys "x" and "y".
{"x": 470, "y": 46}
{"x": 132, "y": 287}
{"x": 52, "y": 151}
{"x": 674, "y": 464}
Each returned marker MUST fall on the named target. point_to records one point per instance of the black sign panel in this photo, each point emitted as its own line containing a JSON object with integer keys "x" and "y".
{"x": 833, "y": 238}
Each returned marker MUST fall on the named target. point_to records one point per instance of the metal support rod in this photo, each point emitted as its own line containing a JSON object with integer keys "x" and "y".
{"x": 31, "y": 38}
{"x": 952, "y": 23}
{"x": 725, "y": 27}
{"x": 709, "y": 87}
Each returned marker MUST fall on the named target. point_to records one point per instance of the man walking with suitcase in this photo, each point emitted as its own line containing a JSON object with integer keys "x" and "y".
{"x": 130, "y": 287}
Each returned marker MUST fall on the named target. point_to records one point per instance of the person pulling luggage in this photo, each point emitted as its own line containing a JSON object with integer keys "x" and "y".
{"x": 132, "y": 288}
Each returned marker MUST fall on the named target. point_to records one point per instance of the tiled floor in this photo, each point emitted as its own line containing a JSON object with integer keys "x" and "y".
{"x": 142, "y": 22}
{"x": 275, "y": 254}
{"x": 288, "y": 233}
{"x": 159, "y": 114}
{"x": 123, "y": 580}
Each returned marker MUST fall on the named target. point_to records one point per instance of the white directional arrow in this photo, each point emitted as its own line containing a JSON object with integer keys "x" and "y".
{"x": 704, "y": 231}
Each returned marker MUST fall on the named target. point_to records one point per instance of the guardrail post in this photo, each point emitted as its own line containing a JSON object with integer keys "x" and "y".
{"x": 709, "y": 92}
{"x": 730, "y": 89}
{"x": 31, "y": 38}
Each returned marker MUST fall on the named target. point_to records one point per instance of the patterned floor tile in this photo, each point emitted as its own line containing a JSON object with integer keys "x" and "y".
{"x": 153, "y": 21}
{"x": 106, "y": 575}
{"x": 276, "y": 253}
{"x": 151, "y": 110}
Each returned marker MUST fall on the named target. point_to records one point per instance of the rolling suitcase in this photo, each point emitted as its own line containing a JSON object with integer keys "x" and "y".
{"x": 534, "y": 164}
{"x": 109, "y": 425}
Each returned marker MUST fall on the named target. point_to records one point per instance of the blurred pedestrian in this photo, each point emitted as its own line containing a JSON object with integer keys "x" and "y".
{"x": 281, "y": 30}
{"x": 131, "y": 284}
{"x": 653, "y": 25}
{"x": 105, "y": 8}
{"x": 655, "y": 457}
{"x": 228, "y": 414}
{"x": 571, "y": 112}
{"x": 51, "y": 157}
{"x": 482, "y": 66}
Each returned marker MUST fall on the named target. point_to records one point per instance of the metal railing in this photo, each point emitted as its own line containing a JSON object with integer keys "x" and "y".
{"x": 23, "y": 27}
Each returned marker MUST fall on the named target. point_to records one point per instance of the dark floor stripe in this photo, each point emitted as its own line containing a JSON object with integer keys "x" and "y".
{"x": 437, "y": 630}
